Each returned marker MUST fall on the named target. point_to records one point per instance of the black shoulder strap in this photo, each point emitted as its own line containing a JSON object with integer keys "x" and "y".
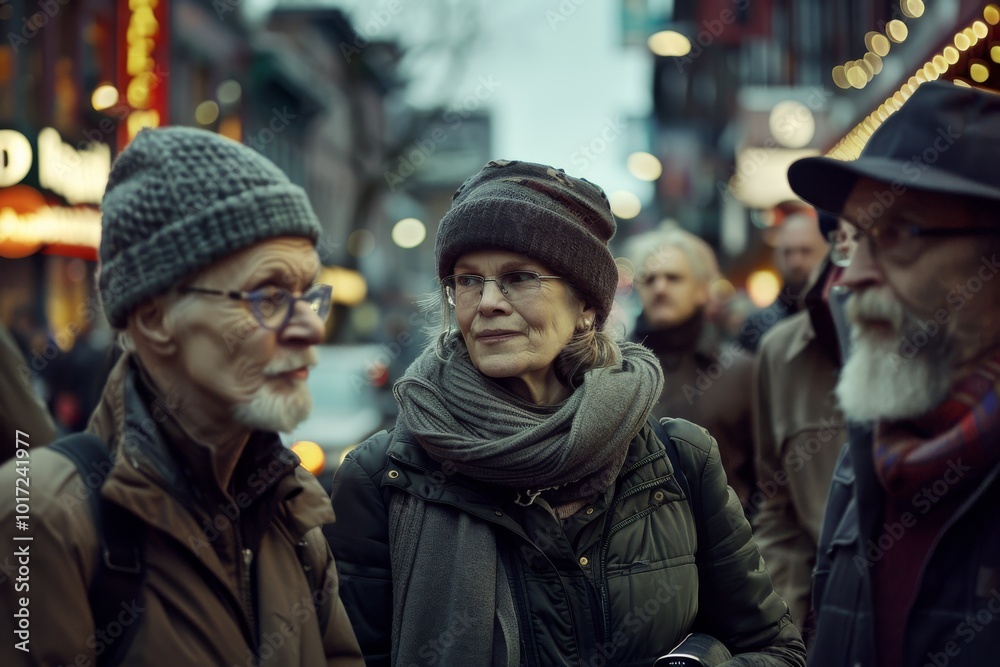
{"x": 117, "y": 585}
{"x": 663, "y": 433}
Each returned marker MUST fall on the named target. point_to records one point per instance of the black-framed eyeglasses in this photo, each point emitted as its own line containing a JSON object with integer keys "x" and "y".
{"x": 466, "y": 289}
{"x": 899, "y": 243}
{"x": 272, "y": 307}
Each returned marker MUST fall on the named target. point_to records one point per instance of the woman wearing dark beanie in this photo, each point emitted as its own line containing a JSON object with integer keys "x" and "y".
{"x": 526, "y": 510}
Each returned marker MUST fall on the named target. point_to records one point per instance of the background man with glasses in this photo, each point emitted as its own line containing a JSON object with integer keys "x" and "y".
{"x": 207, "y": 273}
{"x": 909, "y": 555}
{"x": 799, "y": 430}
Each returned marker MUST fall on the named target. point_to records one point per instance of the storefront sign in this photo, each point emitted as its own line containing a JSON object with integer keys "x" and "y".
{"x": 143, "y": 61}
{"x": 78, "y": 175}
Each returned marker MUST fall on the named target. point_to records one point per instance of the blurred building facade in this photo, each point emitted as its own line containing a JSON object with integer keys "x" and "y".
{"x": 755, "y": 85}
{"x": 79, "y": 79}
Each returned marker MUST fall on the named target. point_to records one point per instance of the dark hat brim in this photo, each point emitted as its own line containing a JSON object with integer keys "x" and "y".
{"x": 826, "y": 182}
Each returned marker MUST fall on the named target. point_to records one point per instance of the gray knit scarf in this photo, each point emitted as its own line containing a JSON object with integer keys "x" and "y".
{"x": 452, "y": 603}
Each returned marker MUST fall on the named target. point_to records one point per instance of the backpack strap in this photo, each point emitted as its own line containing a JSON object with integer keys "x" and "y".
{"x": 120, "y": 573}
{"x": 663, "y": 432}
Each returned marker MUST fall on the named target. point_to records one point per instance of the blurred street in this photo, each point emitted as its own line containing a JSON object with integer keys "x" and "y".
{"x": 686, "y": 113}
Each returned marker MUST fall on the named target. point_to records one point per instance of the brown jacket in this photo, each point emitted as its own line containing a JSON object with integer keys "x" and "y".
{"x": 800, "y": 432}
{"x": 201, "y": 604}
{"x": 708, "y": 381}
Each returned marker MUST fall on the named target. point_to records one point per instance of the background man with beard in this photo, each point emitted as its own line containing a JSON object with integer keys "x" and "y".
{"x": 799, "y": 247}
{"x": 909, "y": 555}
{"x": 207, "y": 273}
{"x": 707, "y": 380}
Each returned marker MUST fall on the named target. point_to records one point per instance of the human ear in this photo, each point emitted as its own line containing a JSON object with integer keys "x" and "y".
{"x": 151, "y": 327}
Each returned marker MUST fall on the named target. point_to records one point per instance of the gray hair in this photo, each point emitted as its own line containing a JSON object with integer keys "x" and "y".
{"x": 698, "y": 252}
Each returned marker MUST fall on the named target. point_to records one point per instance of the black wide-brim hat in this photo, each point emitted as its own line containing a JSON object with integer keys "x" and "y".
{"x": 945, "y": 138}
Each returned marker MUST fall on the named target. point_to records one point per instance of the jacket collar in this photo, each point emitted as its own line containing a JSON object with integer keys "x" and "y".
{"x": 155, "y": 456}
{"x": 672, "y": 344}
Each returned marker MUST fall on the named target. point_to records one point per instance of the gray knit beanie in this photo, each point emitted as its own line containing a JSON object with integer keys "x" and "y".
{"x": 179, "y": 199}
{"x": 538, "y": 211}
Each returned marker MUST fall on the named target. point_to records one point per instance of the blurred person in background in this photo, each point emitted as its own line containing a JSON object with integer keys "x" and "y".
{"x": 798, "y": 249}
{"x": 910, "y": 547}
{"x": 207, "y": 270}
{"x": 707, "y": 380}
{"x": 526, "y": 510}
{"x": 21, "y": 409}
{"x": 799, "y": 432}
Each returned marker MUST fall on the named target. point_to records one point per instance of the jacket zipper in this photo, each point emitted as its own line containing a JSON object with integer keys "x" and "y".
{"x": 602, "y": 565}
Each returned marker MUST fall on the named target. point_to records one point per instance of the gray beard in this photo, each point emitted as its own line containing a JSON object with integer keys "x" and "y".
{"x": 897, "y": 377}
{"x": 269, "y": 411}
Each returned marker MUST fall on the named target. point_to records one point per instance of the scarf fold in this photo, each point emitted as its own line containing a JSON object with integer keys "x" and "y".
{"x": 958, "y": 438}
{"x": 451, "y": 597}
{"x": 465, "y": 419}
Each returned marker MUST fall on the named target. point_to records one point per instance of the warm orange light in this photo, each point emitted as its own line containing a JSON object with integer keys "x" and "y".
{"x": 763, "y": 287}
{"x": 312, "y": 456}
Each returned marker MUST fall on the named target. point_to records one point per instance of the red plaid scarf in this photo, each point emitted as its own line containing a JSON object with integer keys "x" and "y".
{"x": 964, "y": 430}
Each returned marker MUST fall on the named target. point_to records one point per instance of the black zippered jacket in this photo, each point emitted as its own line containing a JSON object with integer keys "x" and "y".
{"x": 621, "y": 583}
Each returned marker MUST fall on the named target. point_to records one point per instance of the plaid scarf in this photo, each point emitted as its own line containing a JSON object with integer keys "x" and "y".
{"x": 963, "y": 434}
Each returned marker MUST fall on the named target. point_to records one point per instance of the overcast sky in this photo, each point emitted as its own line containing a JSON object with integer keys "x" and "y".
{"x": 561, "y": 87}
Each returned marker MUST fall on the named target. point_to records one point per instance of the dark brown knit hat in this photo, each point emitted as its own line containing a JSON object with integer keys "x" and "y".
{"x": 538, "y": 211}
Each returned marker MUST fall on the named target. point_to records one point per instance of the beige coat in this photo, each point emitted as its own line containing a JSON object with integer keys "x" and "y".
{"x": 199, "y": 606}
{"x": 20, "y": 408}
{"x": 799, "y": 434}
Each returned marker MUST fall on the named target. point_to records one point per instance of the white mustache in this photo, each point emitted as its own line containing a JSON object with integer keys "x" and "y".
{"x": 877, "y": 304}
{"x": 298, "y": 360}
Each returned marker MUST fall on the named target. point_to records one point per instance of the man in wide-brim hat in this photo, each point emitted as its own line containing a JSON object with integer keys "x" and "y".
{"x": 910, "y": 550}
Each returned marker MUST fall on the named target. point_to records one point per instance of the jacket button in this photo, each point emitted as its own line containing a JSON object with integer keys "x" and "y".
{"x": 590, "y": 510}
{"x": 393, "y": 474}
{"x": 498, "y": 512}
{"x": 658, "y": 496}
{"x": 584, "y": 561}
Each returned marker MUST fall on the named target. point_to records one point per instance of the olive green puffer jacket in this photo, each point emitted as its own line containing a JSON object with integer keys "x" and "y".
{"x": 620, "y": 583}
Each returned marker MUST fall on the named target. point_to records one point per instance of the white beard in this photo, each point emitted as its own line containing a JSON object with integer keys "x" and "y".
{"x": 896, "y": 375}
{"x": 269, "y": 410}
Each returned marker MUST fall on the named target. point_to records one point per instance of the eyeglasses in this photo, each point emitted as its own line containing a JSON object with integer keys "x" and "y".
{"x": 272, "y": 307}
{"x": 843, "y": 242}
{"x": 466, "y": 289}
{"x": 899, "y": 244}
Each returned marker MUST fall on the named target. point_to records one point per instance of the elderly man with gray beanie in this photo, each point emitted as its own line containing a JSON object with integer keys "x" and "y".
{"x": 526, "y": 510}
{"x": 197, "y": 541}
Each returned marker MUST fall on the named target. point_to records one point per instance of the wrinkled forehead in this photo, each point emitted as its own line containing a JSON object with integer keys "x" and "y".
{"x": 666, "y": 258}
{"x": 288, "y": 261}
